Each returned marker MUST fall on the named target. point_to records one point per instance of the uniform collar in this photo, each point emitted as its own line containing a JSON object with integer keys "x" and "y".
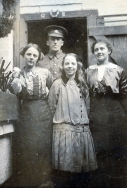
{"x": 57, "y": 54}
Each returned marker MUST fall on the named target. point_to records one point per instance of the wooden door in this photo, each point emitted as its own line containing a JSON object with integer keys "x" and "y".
{"x": 32, "y": 25}
{"x": 117, "y": 36}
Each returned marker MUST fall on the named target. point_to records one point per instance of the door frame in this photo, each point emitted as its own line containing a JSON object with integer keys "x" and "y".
{"x": 22, "y": 40}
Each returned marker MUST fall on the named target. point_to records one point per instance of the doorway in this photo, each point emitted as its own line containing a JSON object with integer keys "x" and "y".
{"x": 75, "y": 42}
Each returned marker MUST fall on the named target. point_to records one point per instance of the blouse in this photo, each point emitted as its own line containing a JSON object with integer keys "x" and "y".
{"x": 67, "y": 104}
{"x": 112, "y": 76}
{"x": 35, "y": 84}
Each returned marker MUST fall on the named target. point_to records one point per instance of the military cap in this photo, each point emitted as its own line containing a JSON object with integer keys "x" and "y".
{"x": 55, "y": 31}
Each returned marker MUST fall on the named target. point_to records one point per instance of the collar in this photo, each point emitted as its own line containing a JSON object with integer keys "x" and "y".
{"x": 65, "y": 79}
{"x": 57, "y": 54}
{"x": 30, "y": 72}
{"x": 109, "y": 65}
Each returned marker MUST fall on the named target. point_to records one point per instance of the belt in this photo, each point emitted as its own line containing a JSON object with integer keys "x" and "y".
{"x": 33, "y": 97}
{"x": 69, "y": 127}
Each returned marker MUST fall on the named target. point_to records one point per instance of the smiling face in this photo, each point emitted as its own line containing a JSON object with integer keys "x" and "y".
{"x": 101, "y": 52}
{"x": 70, "y": 66}
{"x": 55, "y": 43}
{"x": 31, "y": 56}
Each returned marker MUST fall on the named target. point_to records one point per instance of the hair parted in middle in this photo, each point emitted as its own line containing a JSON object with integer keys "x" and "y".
{"x": 108, "y": 44}
{"x": 24, "y": 49}
{"x": 80, "y": 74}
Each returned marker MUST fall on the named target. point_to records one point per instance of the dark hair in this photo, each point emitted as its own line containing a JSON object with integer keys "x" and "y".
{"x": 23, "y": 50}
{"x": 80, "y": 75}
{"x": 108, "y": 44}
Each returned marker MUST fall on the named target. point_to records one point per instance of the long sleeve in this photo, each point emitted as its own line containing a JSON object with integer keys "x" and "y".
{"x": 87, "y": 102}
{"x": 16, "y": 85}
{"x": 123, "y": 91}
{"x": 49, "y": 79}
{"x": 123, "y": 85}
{"x": 53, "y": 98}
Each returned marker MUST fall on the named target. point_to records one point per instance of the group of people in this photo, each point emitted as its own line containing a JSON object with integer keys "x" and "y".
{"x": 67, "y": 116}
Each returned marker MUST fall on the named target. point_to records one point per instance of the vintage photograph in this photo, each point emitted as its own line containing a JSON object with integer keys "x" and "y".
{"x": 63, "y": 93}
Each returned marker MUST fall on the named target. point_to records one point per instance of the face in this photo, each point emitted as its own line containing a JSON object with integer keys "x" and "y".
{"x": 101, "y": 52}
{"x": 70, "y": 66}
{"x": 31, "y": 56}
{"x": 55, "y": 43}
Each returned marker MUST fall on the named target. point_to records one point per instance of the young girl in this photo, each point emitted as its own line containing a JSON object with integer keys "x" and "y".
{"x": 72, "y": 148}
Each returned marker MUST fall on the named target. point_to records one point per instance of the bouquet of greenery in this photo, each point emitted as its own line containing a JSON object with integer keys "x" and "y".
{"x": 4, "y": 76}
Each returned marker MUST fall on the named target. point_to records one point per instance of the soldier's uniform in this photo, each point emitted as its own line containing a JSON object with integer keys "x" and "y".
{"x": 53, "y": 61}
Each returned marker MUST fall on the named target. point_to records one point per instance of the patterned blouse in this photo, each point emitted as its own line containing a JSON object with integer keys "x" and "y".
{"x": 35, "y": 84}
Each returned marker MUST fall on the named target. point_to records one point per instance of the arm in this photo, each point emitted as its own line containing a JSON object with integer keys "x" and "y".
{"x": 123, "y": 91}
{"x": 87, "y": 98}
{"x": 16, "y": 84}
{"x": 87, "y": 101}
{"x": 53, "y": 97}
{"x": 49, "y": 79}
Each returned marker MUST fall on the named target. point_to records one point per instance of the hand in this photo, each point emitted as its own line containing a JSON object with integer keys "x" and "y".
{"x": 16, "y": 72}
{"x": 16, "y": 86}
{"x": 104, "y": 88}
{"x": 45, "y": 92}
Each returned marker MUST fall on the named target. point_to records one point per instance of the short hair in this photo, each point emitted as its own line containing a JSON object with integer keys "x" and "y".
{"x": 108, "y": 44}
{"x": 24, "y": 49}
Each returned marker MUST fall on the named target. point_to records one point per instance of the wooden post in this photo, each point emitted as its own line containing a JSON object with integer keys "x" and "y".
{"x": 91, "y": 21}
{"x": 23, "y": 39}
{"x": 16, "y": 44}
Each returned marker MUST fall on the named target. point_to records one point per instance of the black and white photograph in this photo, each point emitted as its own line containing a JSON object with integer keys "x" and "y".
{"x": 63, "y": 93}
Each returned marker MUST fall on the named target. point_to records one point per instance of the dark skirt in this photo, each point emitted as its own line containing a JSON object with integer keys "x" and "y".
{"x": 34, "y": 138}
{"x": 107, "y": 119}
{"x": 108, "y": 128}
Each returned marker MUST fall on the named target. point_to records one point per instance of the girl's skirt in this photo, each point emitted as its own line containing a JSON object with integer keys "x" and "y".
{"x": 73, "y": 148}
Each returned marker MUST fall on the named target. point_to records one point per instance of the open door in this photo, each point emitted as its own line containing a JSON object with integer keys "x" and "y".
{"x": 75, "y": 42}
{"x": 32, "y": 27}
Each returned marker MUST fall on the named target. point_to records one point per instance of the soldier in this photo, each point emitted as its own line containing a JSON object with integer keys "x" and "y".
{"x": 55, "y": 40}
